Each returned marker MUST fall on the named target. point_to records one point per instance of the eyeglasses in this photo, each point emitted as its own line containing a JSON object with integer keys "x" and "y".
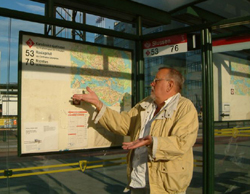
{"x": 155, "y": 80}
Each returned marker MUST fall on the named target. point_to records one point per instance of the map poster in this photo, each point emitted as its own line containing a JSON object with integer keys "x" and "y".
{"x": 51, "y": 71}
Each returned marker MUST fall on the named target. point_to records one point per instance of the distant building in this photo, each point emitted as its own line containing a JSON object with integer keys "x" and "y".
{"x": 8, "y": 100}
{"x": 126, "y": 28}
{"x": 104, "y": 39}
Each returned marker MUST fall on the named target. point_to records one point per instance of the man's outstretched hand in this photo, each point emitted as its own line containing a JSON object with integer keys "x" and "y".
{"x": 138, "y": 143}
{"x": 90, "y": 97}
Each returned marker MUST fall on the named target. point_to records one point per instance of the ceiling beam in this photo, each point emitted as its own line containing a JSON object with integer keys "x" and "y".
{"x": 121, "y": 10}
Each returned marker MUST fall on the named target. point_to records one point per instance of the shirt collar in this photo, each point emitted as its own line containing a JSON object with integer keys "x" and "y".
{"x": 167, "y": 102}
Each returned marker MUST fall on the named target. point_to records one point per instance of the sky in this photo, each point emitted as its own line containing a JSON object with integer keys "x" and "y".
{"x": 9, "y": 35}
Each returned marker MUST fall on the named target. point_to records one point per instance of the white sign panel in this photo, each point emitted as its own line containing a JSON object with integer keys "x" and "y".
{"x": 165, "y": 46}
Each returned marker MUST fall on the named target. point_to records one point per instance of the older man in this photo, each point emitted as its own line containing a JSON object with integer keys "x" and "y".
{"x": 163, "y": 129}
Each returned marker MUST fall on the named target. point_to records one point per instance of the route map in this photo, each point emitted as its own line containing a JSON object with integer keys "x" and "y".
{"x": 52, "y": 70}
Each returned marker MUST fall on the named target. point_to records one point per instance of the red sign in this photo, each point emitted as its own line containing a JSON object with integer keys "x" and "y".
{"x": 30, "y": 43}
{"x": 165, "y": 46}
{"x": 170, "y": 40}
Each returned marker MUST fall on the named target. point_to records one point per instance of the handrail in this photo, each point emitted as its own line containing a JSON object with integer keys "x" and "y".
{"x": 233, "y": 132}
{"x": 81, "y": 165}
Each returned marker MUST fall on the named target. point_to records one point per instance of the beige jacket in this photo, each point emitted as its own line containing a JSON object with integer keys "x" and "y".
{"x": 175, "y": 127}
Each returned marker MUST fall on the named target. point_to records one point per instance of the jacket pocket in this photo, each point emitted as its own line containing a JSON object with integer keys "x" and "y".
{"x": 175, "y": 175}
{"x": 173, "y": 166}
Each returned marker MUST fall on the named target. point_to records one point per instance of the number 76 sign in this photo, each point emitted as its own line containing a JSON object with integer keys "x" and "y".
{"x": 165, "y": 46}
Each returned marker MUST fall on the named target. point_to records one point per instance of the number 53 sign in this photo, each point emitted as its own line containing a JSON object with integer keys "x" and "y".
{"x": 165, "y": 46}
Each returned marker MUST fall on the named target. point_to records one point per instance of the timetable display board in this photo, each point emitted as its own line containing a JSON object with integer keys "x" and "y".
{"x": 51, "y": 71}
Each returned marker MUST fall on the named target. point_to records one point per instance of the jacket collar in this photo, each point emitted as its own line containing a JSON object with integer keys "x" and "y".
{"x": 167, "y": 111}
{"x": 146, "y": 103}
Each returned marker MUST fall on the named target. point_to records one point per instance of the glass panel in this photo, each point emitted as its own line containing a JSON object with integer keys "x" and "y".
{"x": 94, "y": 20}
{"x": 99, "y": 21}
{"x": 231, "y": 78}
{"x": 107, "y": 180}
{"x": 89, "y": 19}
{"x": 25, "y": 6}
{"x": 232, "y": 140}
{"x": 231, "y": 114}
{"x": 110, "y": 179}
{"x": 4, "y": 103}
{"x": 95, "y": 38}
{"x": 189, "y": 64}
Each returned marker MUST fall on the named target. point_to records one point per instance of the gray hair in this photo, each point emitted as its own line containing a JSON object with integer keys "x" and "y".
{"x": 176, "y": 76}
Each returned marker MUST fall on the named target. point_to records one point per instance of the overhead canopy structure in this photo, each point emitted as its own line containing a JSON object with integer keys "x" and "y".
{"x": 163, "y": 12}
{"x": 122, "y": 10}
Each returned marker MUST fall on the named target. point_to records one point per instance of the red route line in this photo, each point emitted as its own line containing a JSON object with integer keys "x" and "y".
{"x": 77, "y": 111}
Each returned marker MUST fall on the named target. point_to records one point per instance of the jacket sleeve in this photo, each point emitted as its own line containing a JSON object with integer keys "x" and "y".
{"x": 181, "y": 137}
{"x": 119, "y": 123}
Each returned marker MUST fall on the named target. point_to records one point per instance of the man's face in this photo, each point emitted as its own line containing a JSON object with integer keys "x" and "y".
{"x": 160, "y": 85}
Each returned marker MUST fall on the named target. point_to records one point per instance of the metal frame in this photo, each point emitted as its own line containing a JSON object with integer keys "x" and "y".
{"x": 157, "y": 18}
{"x": 122, "y": 10}
{"x": 208, "y": 115}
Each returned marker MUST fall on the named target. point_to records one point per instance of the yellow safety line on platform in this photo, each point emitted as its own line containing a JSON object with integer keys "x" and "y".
{"x": 80, "y": 164}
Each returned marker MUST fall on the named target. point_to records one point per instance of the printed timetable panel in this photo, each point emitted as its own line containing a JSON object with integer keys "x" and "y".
{"x": 51, "y": 70}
